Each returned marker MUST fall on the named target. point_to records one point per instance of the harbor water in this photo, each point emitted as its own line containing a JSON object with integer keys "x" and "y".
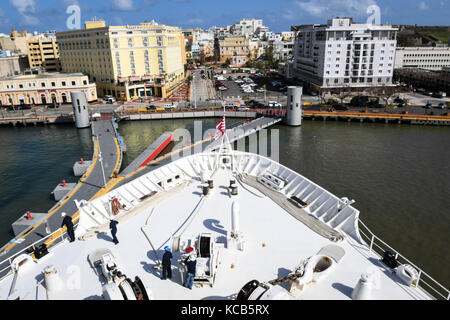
{"x": 399, "y": 175}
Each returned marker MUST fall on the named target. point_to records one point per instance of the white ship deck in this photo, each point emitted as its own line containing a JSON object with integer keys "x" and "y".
{"x": 275, "y": 243}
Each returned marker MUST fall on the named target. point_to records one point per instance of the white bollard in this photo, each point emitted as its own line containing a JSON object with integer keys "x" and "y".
{"x": 53, "y": 281}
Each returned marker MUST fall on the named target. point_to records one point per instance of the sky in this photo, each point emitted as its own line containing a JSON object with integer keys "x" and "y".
{"x": 278, "y": 15}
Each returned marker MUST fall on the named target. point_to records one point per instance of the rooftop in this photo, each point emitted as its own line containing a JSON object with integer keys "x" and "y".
{"x": 52, "y": 75}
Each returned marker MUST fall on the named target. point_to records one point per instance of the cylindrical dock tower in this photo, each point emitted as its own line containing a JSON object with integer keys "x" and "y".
{"x": 80, "y": 109}
{"x": 294, "y": 106}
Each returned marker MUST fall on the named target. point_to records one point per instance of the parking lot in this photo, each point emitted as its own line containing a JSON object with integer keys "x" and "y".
{"x": 235, "y": 91}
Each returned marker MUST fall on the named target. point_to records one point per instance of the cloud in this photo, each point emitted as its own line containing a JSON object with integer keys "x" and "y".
{"x": 24, "y": 6}
{"x": 3, "y": 18}
{"x": 328, "y": 8}
{"x": 423, "y": 5}
{"x": 123, "y": 5}
{"x": 27, "y": 9}
{"x": 195, "y": 21}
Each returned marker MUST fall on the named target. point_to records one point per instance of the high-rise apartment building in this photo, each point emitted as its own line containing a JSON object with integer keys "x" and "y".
{"x": 126, "y": 61}
{"x": 43, "y": 53}
{"x": 345, "y": 54}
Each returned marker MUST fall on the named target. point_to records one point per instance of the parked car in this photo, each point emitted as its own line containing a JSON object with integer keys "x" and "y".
{"x": 428, "y": 106}
{"x": 339, "y": 107}
{"x": 274, "y": 104}
{"x": 230, "y": 105}
{"x": 251, "y": 102}
{"x": 441, "y": 105}
{"x": 151, "y": 107}
{"x": 53, "y": 106}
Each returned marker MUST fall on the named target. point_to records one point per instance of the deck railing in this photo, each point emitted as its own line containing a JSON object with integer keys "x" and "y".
{"x": 5, "y": 264}
{"x": 425, "y": 281}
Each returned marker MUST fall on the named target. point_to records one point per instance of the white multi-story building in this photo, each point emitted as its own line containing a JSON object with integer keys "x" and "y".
{"x": 283, "y": 50}
{"x": 345, "y": 54}
{"x": 248, "y": 27}
{"x": 430, "y": 58}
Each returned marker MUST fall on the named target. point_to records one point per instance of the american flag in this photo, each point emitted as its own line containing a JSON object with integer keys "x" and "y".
{"x": 220, "y": 128}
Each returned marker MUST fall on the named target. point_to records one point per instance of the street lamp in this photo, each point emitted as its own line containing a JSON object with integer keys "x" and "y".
{"x": 101, "y": 163}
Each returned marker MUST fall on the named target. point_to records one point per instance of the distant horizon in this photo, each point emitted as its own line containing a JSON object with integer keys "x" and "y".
{"x": 44, "y": 15}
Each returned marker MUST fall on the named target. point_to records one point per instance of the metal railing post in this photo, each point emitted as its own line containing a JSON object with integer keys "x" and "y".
{"x": 371, "y": 242}
{"x": 418, "y": 278}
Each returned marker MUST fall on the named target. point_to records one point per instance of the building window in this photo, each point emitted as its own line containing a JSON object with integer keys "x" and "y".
{"x": 43, "y": 84}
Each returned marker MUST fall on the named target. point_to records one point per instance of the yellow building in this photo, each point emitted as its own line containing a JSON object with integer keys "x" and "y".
{"x": 44, "y": 88}
{"x": 43, "y": 53}
{"x": 126, "y": 61}
{"x": 239, "y": 49}
{"x": 206, "y": 52}
{"x": 16, "y": 42}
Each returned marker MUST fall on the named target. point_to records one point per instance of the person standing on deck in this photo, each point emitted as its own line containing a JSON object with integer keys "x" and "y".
{"x": 191, "y": 263}
{"x": 67, "y": 221}
{"x": 166, "y": 264}
{"x": 113, "y": 227}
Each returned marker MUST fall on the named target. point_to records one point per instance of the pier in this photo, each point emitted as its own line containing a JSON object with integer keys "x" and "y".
{"x": 398, "y": 118}
{"x": 31, "y": 118}
{"x": 184, "y": 114}
{"x": 106, "y": 162}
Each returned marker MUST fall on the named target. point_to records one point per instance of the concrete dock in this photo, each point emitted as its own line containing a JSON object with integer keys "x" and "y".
{"x": 105, "y": 142}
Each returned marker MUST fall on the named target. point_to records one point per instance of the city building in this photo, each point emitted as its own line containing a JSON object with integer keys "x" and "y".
{"x": 431, "y": 80}
{"x": 345, "y": 54}
{"x": 239, "y": 50}
{"x": 248, "y": 27}
{"x": 430, "y": 58}
{"x": 286, "y": 69}
{"x": 44, "y": 53}
{"x": 126, "y": 62}
{"x": 16, "y": 42}
{"x": 220, "y": 32}
{"x": 45, "y": 88}
{"x": 283, "y": 50}
{"x": 199, "y": 44}
{"x": 11, "y": 65}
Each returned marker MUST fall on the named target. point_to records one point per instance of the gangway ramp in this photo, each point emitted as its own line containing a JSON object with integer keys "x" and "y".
{"x": 149, "y": 154}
